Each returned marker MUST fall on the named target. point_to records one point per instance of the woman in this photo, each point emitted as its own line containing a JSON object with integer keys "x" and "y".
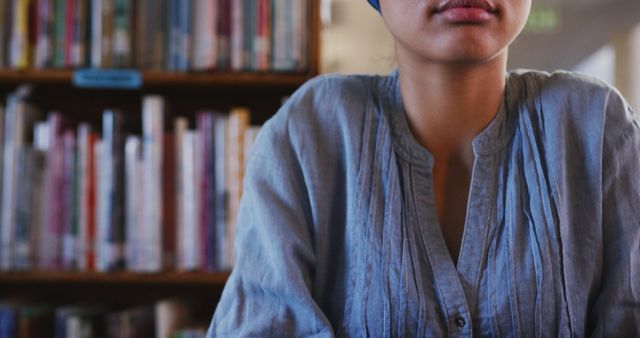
{"x": 447, "y": 199}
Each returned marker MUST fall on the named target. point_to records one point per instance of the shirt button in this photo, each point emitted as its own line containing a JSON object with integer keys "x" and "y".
{"x": 460, "y": 322}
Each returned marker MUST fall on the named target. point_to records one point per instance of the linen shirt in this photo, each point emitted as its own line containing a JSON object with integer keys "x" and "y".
{"x": 338, "y": 236}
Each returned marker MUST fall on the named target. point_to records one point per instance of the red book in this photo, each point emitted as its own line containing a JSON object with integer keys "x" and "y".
{"x": 69, "y": 32}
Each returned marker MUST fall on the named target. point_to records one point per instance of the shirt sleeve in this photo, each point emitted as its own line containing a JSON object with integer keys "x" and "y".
{"x": 268, "y": 293}
{"x": 616, "y": 309}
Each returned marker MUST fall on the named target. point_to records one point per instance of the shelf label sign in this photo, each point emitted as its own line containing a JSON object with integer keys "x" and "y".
{"x": 107, "y": 78}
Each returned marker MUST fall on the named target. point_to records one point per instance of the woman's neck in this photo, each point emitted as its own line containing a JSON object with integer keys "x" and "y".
{"x": 448, "y": 105}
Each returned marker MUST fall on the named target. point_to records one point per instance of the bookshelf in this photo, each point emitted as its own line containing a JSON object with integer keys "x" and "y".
{"x": 185, "y": 93}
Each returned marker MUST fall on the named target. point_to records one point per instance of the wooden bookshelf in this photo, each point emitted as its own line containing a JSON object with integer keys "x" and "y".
{"x": 153, "y": 79}
{"x": 120, "y": 289}
{"x": 186, "y": 94}
{"x": 115, "y": 278}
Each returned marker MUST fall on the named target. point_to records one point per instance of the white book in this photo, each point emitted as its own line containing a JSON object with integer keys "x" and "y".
{"x": 205, "y": 34}
{"x": 189, "y": 253}
{"x": 133, "y": 200}
{"x": 152, "y": 144}
{"x": 104, "y": 247}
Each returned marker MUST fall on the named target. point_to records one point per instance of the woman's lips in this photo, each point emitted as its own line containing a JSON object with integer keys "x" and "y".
{"x": 466, "y": 15}
{"x": 466, "y": 11}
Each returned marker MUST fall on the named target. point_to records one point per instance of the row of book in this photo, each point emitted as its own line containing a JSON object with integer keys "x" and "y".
{"x": 169, "y": 318}
{"x": 76, "y": 199}
{"x": 162, "y": 35}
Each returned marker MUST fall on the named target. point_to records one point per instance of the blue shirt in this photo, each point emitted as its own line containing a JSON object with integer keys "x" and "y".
{"x": 338, "y": 236}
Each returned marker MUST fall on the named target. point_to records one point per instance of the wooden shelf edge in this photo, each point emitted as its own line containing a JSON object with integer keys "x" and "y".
{"x": 154, "y": 79}
{"x": 128, "y": 278}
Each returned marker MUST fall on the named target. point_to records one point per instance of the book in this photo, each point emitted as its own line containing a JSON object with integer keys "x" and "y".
{"x": 78, "y": 56}
{"x": 188, "y": 229}
{"x": 238, "y": 123}
{"x": 122, "y": 54}
{"x": 205, "y": 122}
{"x": 110, "y": 231}
{"x": 205, "y": 33}
{"x": 152, "y": 144}
{"x": 67, "y": 196}
{"x": 224, "y": 34}
{"x": 85, "y": 197}
{"x": 133, "y": 201}
{"x": 44, "y": 43}
{"x": 222, "y": 245}
{"x": 20, "y": 117}
{"x": 150, "y": 27}
{"x": 237, "y": 35}
{"x": 168, "y": 202}
{"x": 19, "y": 38}
{"x": 51, "y": 224}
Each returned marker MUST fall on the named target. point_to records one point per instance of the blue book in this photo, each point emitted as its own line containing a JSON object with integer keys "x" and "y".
{"x": 8, "y": 322}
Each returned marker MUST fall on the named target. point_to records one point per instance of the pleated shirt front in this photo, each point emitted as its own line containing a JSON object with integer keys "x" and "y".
{"x": 338, "y": 235}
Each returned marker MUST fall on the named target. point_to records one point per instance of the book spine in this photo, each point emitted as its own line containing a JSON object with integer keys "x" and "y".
{"x": 112, "y": 221}
{"x": 3, "y": 118}
{"x": 153, "y": 122}
{"x": 70, "y": 235}
{"x": 224, "y": 34}
{"x": 96, "y": 33}
{"x": 205, "y": 34}
{"x": 69, "y": 32}
{"x": 59, "y": 33}
{"x": 142, "y": 41}
{"x": 238, "y": 123}
{"x": 82, "y": 196}
{"x": 23, "y": 218}
{"x": 207, "y": 218}
{"x": 43, "y": 55}
{"x": 107, "y": 33}
{"x": 158, "y": 31}
{"x": 19, "y": 43}
{"x": 249, "y": 23}
{"x": 191, "y": 202}
{"x": 37, "y": 196}
{"x": 168, "y": 202}
{"x": 50, "y": 245}
{"x": 184, "y": 35}
{"x": 121, "y": 33}
{"x": 180, "y": 126}
{"x": 237, "y": 35}
{"x": 133, "y": 199}
{"x": 221, "y": 127}
{"x": 3, "y": 30}
{"x": 78, "y": 48}
{"x": 12, "y": 144}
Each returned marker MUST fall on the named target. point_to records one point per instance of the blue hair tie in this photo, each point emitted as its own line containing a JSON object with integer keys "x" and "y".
{"x": 375, "y": 4}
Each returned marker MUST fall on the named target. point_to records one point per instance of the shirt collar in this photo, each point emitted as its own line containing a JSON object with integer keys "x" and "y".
{"x": 496, "y": 136}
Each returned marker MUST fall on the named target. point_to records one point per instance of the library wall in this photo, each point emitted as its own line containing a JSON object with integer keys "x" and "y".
{"x": 355, "y": 40}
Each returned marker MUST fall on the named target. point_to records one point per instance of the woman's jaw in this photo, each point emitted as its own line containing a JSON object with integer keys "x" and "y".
{"x": 454, "y": 32}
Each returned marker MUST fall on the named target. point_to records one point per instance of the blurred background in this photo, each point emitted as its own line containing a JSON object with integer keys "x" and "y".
{"x": 597, "y": 37}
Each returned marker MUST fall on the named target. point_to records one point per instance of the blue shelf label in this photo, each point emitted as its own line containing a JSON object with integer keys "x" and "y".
{"x": 107, "y": 78}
